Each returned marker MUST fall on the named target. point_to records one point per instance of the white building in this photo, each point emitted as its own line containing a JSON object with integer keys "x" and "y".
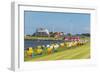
{"x": 41, "y": 32}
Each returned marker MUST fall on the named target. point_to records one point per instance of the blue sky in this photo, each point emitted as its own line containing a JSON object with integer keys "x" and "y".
{"x": 75, "y": 23}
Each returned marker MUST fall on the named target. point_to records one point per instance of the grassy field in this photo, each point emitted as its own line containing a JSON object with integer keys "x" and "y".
{"x": 79, "y": 52}
{"x": 42, "y": 38}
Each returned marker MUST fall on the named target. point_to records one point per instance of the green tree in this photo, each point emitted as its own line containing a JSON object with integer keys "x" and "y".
{"x": 69, "y": 34}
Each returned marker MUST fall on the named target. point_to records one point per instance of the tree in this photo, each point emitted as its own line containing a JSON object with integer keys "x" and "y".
{"x": 51, "y": 34}
{"x": 86, "y": 34}
{"x": 69, "y": 34}
{"x": 77, "y": 34}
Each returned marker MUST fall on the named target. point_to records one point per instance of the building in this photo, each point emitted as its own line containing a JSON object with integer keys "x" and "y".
{"x": 72, "y": 38}
{"x": 58, "y": 34}
{"x": 41, "y": 32}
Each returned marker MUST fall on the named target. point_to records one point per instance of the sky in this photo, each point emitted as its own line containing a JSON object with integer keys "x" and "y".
{"x": 74, "y": 23}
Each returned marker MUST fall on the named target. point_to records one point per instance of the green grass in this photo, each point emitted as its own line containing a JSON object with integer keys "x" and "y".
{"x": 79, "y": 52}
{"x": 36, "y": 37}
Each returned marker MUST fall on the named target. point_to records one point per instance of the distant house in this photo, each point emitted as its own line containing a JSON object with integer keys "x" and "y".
{"x": 72, "y": 38}
{"x": 41, "y": 32}
{"x": 58, "y": 34}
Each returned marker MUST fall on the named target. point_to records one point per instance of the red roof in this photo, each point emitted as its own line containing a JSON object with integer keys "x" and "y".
{"x": 72, "y": 38}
